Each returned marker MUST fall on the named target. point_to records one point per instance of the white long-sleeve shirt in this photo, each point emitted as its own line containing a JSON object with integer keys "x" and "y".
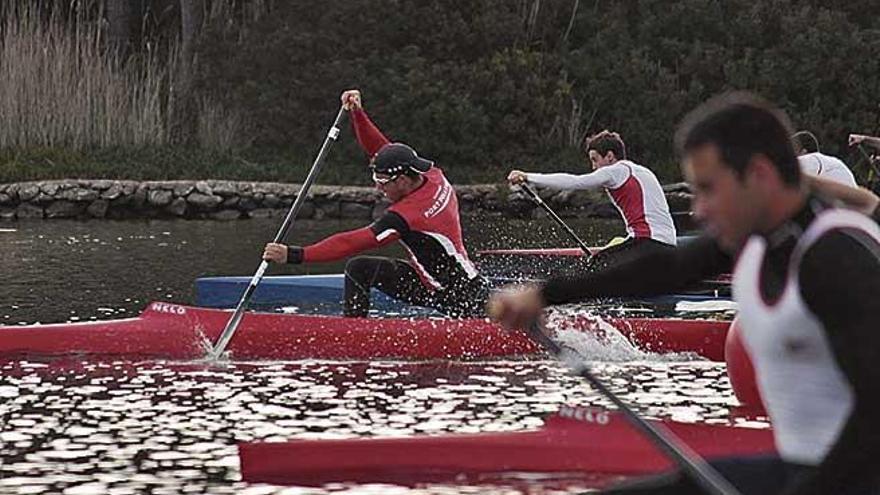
{"x": 633, "y": 189}
{"x": 827, "y": 167}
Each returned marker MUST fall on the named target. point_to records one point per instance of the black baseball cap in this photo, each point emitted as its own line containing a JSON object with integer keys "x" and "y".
{"x": 397, "y": 158}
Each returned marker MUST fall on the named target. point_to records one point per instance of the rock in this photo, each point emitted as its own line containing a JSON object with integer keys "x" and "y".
{"x": 264, "y": 213}
{"x": 160, "y": 197}
{"x": 224, "y": 188}
{"x": 12, "y": 191}
{"x": 307, "y": 210}
{"x": 177, "y": 207}
{"x": 102, "y": 185}
{"x": 247, "y": 204}
{"x": 288, "y": 190}
{"x": 64, "y": 209}
{"x": 129, "y": 187}
{"x": 679, "y": 200}
{"x": 98, "y": 208}
{"x": 355, "y": 210}
{"x": 327, "y": 209}
{"x": 7, "y": 213}
{"x": 28, "y": 192}
{"x": 44, "y": 199}
{"x": 28, "y": 210}
{"x": 122, "y": 202}
{"x": 271, "y": 201}
{"x": 226, "y": 215}
{"x": 79, "y": 194}
{"x": 230, "y": 202}
{"x": 204, "y": 188}
{"x": 5, "y": 199}
{"x": 204, "y": 202}
{"x": 112, "y": 192}
{"x": 50, "y": 188}
{"x": 682, "y": 187}
{"x": 139, "y": 198}
{"x": 182, "y": 188}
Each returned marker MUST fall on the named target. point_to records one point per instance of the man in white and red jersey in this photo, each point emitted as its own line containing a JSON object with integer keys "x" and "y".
{"x": 423, "y": 216}
{"x": 633, "y": 189}
{"x": 817, "y": 164}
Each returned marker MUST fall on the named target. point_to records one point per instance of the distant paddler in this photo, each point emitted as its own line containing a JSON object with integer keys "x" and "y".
{"x": 857, "y": 139}
{"x": 806, "y": 279}
{"x": 423, "y": 217}
{"x": 815, "y": 163}
{"x": 634, "y": 190}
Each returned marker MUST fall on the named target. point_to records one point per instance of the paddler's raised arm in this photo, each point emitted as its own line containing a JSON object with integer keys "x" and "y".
{"x": 604, "y": 177}
{"x": 872, "y": 141}
{"x": 368, "y": 135}
{"x": 656, "y": 273}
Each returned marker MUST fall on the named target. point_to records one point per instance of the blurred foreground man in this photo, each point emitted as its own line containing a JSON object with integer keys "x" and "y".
{"x": 806, "y": 280}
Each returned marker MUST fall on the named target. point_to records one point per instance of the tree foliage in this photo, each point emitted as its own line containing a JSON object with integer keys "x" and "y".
{"x": 481, "y": 84}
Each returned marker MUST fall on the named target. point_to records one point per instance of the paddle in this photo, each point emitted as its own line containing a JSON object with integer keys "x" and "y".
{"x": 229, "y": 331}
{"x": 540, "y": 202}
{"x": 690, "y": 462}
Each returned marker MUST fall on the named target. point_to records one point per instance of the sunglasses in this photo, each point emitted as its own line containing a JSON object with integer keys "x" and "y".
{"x": 383, "y": 180}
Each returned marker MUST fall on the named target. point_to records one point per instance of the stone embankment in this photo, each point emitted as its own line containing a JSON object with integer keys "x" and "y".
{"x": 230, "y": 200}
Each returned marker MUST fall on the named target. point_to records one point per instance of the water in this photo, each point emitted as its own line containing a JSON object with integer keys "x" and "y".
{"x": 164, "y": 427}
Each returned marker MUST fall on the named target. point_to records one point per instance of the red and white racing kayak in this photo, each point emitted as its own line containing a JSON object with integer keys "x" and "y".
{"x": 577, "y": 440}
{"x": 171, "y": 331}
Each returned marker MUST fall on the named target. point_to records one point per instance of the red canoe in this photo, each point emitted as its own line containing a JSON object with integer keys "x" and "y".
{"x": 577, "y": 440}
{"x": 171, "y": 331}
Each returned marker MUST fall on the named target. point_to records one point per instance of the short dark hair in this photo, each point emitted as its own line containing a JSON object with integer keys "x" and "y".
{"x": 741, "y": 125}
{"x": 805, "y": 140}
{"x": 604, "y": 142}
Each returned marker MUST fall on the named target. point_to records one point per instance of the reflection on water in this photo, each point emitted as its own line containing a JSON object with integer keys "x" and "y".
{"x": 159, "y": 427}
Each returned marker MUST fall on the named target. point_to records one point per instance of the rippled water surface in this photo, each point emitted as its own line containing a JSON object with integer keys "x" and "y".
{"x": 163, "y": 427}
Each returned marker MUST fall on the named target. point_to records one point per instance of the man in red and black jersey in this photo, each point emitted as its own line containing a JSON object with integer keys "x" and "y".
{"x": 423, "y": 216}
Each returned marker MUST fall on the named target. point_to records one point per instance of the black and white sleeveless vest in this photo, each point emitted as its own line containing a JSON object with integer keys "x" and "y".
{"x": 803, "y": 388}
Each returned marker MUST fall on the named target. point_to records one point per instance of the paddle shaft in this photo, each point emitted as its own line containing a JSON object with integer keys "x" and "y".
{"x": 233, "y": 322}
{"x": 540, "y": 202}
{"x": 689, "y": 461}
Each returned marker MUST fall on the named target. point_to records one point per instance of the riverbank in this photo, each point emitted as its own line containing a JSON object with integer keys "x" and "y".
{"x": 233, "y": 200}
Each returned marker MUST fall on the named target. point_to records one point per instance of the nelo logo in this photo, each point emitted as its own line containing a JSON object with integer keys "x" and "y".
{"x": 586, "y": 414}
{"x": 172, "y": 309}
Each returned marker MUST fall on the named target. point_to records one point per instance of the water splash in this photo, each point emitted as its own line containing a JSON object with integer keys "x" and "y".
{"x": 600, "y": 340}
